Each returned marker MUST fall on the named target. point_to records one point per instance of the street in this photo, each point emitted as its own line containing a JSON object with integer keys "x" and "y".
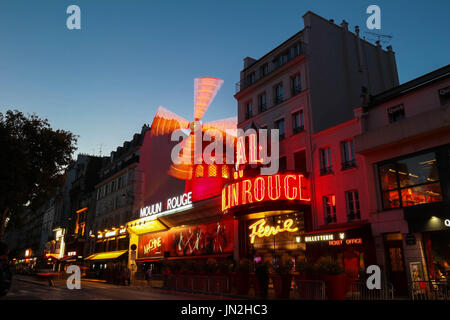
{"x": 25, "y": 288}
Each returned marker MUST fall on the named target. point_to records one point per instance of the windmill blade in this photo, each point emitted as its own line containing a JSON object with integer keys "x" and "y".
{"x": 223, "y": 127}
{"x": 228, "y": 125}
{"x": 165, "y": 122}
{"x": 205, "y": 89}
{"x": 184, "y": 169}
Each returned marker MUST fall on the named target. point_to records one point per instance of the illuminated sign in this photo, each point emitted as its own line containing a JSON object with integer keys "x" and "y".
{"x": 172, "y": 205}
{"x": 265, "y": 188}
{"x": 347, "y": 242}
{"x": 152, "y": 245}
{"x": 447, "y": 222}
{"x": 323, "y": 237}
{"x": 71, "y": 253}
{"x": 110, "y": 233}
{"x": 260, "y": 229}
{"x": 27, "y": 253}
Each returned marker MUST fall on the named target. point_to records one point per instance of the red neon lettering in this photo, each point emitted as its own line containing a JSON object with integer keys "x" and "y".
{"x": 286, "y": 187}
{"x": 259, "y": 190}
{"x": 225, "y": 203}
{"x": 246, "y": 190}
{"x": 234, "y": 194}
{"x": 277, "y": 187}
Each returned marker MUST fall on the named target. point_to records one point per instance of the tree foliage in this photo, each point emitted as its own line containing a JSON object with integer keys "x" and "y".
{"x": 33, "y": 157}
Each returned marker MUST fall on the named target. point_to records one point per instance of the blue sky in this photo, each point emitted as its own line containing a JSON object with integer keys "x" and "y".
{"x": 104, "y": 81}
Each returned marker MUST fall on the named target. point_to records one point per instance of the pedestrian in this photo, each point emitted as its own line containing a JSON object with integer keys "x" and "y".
{"x": 5, "y": 272}
{"x": 149, "y": 275}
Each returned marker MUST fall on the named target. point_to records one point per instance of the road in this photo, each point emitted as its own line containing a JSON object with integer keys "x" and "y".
{"x": 24, "y": 288}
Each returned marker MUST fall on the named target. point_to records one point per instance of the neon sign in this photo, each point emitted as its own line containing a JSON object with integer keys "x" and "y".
{"x": 260, "y": 229}
{"x": 152, "y": 245}
{"x": 180, "y": 202}
{"x": 265, "y": 188}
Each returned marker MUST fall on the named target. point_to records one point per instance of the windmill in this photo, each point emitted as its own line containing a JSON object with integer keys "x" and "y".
{"x": 165, "y": 122}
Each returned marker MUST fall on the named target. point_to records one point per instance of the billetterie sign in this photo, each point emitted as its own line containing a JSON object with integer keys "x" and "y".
{"x": 171, "y": 204}
{"x": 265, "y": 188}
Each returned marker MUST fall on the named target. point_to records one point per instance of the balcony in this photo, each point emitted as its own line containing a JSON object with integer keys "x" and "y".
{"x": 348, "y": 164}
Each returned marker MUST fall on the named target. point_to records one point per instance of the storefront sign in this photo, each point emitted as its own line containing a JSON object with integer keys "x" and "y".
{"x": 174, "y": 204}
{"x": 260, "y": 229}
{"x": 447, "y": 222}
{"x": 152, "y": 246}
{"x": 323, "y": 237}
{"x": 347, "y": 242}
{"x": 265, "y": 188}
{"x": 204, "y": 239}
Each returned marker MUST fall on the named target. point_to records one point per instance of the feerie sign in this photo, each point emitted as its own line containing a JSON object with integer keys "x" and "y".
{"x": 174, "y": 203}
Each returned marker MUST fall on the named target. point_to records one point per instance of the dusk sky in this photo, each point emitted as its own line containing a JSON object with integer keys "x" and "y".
{"x": 105, "y": 81}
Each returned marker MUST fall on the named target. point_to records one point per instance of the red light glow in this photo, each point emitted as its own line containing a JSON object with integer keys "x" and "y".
{"x": 265, "y": 188}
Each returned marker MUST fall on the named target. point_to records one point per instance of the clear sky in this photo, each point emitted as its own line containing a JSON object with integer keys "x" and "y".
{"x": 105, "y": 81}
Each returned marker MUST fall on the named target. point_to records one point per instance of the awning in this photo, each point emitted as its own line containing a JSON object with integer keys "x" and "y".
{"x": 106, "y": 255}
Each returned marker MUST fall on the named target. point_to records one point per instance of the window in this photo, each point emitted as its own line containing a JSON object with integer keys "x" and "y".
{"x": 298, "y": 122}
{"x": 280, "y": 126}
{"x": 410, "y": 181}
{"x": 263, "y": 102}
{"x": 282, "y": 165}
{"x": 249, "y": 110}
{"x": 329, "y": 206}
{"x": 282, "y": 58}
{"x": 352, "y": 200}
{"x": 325, "y": 161}
{"x": 296, "y": 49}
{"x": 396, "y": 113}
{"x": 264, "y": 69}
{"x": 212, "y": 170}
{"x": 225, "y": 172}
{"x": 296, "y": 85}
{"x": 348, "y": 154}
{"x": 251, "y": 78}
{"x": 199, "y": 171}
{"x": 300, "y": 161}
{"x": 279, "y": 94}
{"x": 444, "y": 95}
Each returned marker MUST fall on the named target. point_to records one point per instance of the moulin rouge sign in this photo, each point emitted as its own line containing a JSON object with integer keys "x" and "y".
{"x": 265, "y": 188}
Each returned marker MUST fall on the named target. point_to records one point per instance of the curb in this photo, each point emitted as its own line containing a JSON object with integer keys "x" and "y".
{"x": 44, "y": 284}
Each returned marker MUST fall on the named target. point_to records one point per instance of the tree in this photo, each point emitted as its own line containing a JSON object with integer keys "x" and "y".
{"x": 33, "y": 157}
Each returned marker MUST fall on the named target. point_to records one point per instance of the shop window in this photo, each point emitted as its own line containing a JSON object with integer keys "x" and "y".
{"x": 300, "y": 161}
{"x": 298, "y": 124}
{"x": 225, "y": 172}
{"x": 325, "y": 161}
{"x": 352, "y": 200}
{"x": 329, "y": 205}
{"x": 199, "y": 171}
{"x": 348, "y": 154}
{"x": 212, "y": 170}
{"x": 410, "y": 181}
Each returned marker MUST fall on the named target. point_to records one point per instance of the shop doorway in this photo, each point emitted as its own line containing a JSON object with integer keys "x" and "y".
{"x": 396, "y": 272}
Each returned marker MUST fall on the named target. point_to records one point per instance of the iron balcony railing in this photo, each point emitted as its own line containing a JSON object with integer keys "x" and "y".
{"x": 429, "y": 290}
{"x": 360, "y": 291}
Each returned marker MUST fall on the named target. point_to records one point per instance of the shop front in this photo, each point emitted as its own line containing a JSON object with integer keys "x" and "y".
{"x": 272, "y": 211}
{"x": 350, "y": 245}
{"x": 109, "y": 262}
{"x": 431, "y": 224}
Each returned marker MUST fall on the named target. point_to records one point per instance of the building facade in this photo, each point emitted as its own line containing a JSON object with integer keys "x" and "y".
{"x": 404, "y": 140}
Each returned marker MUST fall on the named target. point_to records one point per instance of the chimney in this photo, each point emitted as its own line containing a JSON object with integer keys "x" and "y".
{"x": 248, "y": 62}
